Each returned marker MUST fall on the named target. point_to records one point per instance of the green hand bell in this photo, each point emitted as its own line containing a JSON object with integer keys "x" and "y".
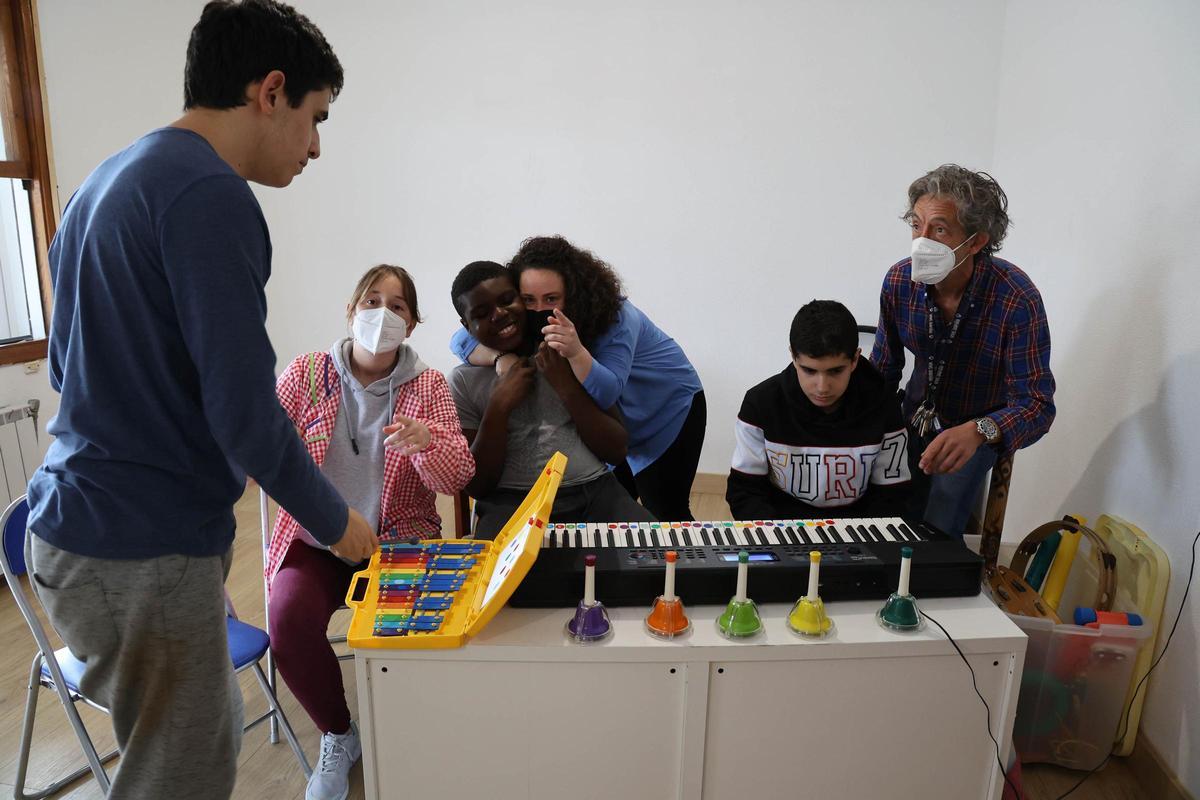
{"x": 740, "y": 618}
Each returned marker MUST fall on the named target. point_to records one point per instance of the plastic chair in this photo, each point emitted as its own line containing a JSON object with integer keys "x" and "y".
{"x": 60, "y": 672}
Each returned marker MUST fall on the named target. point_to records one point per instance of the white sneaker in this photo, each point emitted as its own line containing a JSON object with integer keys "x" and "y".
{"x": 331, "y": 778}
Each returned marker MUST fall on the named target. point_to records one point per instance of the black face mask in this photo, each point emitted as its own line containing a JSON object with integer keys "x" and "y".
{"x": 534, "y": 322}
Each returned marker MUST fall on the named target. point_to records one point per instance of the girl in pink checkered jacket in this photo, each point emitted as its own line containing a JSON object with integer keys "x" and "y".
{"x": 382, "y": 427}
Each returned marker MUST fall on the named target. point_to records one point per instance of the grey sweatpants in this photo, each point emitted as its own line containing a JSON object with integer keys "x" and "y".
{"x": 152, "y": 633}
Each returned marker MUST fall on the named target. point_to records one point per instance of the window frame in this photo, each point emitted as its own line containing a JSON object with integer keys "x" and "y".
{"x": 33, "y": 168}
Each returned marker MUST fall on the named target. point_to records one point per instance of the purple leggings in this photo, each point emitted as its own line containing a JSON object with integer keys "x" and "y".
{"x": 310, "y": 585}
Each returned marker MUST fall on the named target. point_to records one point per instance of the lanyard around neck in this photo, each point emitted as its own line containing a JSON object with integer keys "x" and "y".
{"x": 939, "y": 349}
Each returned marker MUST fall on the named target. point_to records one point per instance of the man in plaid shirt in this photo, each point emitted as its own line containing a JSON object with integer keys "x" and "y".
{"x": 975, "y": 324}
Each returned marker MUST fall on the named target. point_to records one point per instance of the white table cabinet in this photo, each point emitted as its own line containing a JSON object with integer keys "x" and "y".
{"x": 521, "y": 712}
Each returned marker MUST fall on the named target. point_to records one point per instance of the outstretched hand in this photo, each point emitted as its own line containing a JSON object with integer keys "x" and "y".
{"x": 409, "y": 436}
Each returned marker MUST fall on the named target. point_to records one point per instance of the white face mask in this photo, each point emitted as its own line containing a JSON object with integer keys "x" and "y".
{"x": 379, "y": 330}
{"x": 933, "y": 261}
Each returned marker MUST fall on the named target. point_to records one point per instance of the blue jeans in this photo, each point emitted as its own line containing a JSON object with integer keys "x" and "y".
{"x": 952, "y": 495}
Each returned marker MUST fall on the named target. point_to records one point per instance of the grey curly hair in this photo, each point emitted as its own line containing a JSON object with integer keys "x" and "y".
{"x": 982, "y": 204}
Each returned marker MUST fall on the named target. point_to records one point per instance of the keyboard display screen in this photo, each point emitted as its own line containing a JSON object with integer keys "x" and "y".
{"x": 753, "y": 557}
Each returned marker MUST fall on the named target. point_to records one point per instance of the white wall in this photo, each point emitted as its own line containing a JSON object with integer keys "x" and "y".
{"x": 733, "y": 161}
{"x": 1096, "y": 144}
{"x": 686, "y": 143}
{"x": 730, "y": 164}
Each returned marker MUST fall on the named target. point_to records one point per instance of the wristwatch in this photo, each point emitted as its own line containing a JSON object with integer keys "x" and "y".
{"x": 988, "y": 429}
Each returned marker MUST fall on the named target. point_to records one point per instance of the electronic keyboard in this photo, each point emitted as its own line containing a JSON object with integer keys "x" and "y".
{"x": 860, "y": 560}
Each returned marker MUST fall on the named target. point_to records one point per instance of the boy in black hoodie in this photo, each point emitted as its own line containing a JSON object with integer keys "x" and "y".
{"x": 823, "y": 438}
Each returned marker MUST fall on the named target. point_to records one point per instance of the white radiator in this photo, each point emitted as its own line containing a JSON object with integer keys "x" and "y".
{"x": 20, "y": 448}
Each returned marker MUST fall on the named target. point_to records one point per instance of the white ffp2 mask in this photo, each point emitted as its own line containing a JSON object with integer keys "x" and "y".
{"x": 379, "y": 330}
{"x": 933, "y": 261}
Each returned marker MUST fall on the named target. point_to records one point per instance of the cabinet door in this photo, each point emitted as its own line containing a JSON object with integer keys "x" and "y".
{"x": 854, "y": 728}
{"x": 543, "y": 731}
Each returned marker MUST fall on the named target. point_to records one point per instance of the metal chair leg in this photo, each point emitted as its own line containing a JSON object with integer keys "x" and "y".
{"x": 278, "y": 716}
{"x": 264, "y": 520}
{"x": 95, "y": 761}
{"x": 273, "y": 683}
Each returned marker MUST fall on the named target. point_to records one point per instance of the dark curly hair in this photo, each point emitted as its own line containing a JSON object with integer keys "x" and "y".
{"x": 593, "y": 290}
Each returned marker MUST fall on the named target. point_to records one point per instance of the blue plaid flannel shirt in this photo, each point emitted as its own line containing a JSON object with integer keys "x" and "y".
{"x": 999, "y": 365}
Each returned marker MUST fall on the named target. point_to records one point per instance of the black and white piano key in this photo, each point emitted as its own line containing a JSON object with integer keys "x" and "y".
{"x": 661, "y": 536}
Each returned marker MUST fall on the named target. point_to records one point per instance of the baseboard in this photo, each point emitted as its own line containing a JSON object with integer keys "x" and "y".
{"x": 709, "y": 483}
{"x": 1152, "y": 772}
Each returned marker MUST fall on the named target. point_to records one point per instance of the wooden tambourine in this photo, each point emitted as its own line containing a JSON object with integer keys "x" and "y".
{"x": 1011, "y": 592}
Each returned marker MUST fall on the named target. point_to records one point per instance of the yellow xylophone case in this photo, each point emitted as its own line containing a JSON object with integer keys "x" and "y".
{"x": 497, "y": 571}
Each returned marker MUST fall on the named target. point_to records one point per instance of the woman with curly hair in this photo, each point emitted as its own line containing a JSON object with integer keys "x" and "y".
{"x": 621, "y": 358}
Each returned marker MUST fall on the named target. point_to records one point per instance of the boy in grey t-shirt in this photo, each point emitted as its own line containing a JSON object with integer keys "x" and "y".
{"x": 515, "y": 422}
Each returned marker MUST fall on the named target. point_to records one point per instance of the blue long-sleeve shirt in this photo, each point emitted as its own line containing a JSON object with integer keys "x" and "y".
{"x": 641, "y": 370}
{"x": 159, "y": 350}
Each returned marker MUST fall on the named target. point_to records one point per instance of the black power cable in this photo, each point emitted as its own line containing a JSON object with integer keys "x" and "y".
{"x": 987, "y": 709}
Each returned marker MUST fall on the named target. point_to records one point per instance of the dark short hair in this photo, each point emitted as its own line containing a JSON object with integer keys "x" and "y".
{"x": 471, "y": 276}
{"x": 982, "y": 205}
{"x": 592, "y": 297}
{"x": 235, "y": 44}
{"x": 824, "y": 328}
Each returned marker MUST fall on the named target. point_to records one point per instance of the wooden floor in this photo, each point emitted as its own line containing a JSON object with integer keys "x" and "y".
{"x": 266, "y": 770}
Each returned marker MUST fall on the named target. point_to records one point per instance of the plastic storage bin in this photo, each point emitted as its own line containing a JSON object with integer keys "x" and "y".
{"x": 1143, "y": 573}
{"x": 1073, "y": 689}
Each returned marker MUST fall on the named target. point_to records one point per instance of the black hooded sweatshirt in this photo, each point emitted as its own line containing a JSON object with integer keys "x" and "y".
{"x": 794, "y": 461}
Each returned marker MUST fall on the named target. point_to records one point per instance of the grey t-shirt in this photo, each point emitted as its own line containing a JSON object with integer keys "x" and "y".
{"x": 536, "y": 428}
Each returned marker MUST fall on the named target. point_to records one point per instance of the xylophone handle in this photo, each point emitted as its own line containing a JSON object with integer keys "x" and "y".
{"x": 356, "y": 594}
